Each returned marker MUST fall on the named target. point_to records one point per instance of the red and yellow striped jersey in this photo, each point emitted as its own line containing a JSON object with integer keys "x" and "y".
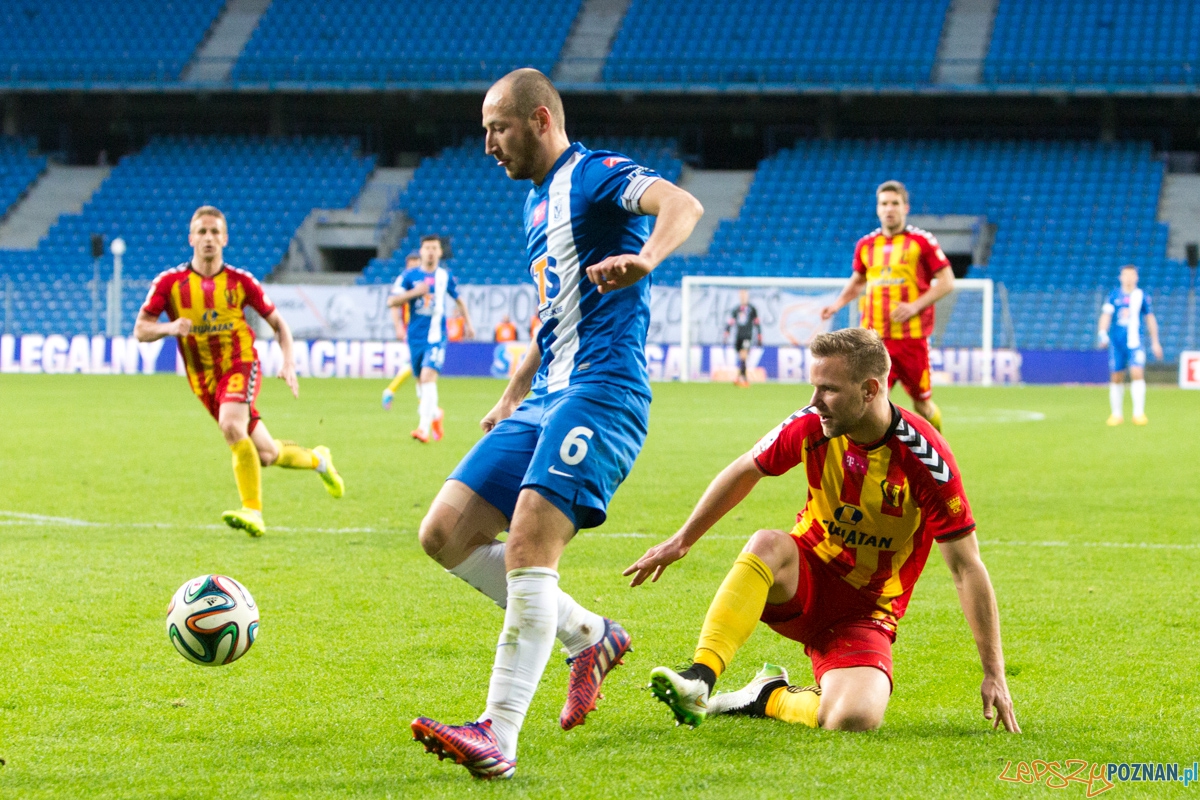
{"x": 873, "y": 511}
{"x": 898, "y": 269}
{"x": 220, "y": 339}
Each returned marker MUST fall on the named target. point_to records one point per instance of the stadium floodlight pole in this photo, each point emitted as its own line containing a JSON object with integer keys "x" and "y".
{"x": 983, "y": 285}
{"x": 114, "y": 287}
{"x": 97, "y": 254}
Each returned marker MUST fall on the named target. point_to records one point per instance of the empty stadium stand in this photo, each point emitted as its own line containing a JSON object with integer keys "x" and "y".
{"x": 403, "y": 41}
{"x": 778, "y": 41}
{"x": 266, "y": 187}
{"x": 101, "y": 40}
{"x": 462, "y": 194}
{"x": 1123, "y": 42}
{"x": 19, "y": 166}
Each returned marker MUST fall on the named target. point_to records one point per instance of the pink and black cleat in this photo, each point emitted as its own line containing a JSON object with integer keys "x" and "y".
{"x": 473, "y": 745}
{"x": 588, "y": 670}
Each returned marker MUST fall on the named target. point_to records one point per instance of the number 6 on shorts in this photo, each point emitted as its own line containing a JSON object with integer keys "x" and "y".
{"x": 574, "y": 446}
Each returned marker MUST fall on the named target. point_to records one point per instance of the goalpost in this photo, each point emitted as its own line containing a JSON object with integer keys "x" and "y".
{"x": 983, "y": 286}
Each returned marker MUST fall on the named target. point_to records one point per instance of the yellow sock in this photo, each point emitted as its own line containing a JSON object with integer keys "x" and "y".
{"x": 936, "y": 419}
{"x": 795, "y": 704}
{"x": 247, "y": 471}
{"x": 733, "y": 612}
{"x": 293, "y": 456}
{"x": 401, "y": 376}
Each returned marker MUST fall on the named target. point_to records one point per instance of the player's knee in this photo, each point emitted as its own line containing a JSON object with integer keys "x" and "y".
{"x": 233, "y": 430}
{"x": 434, "y": 533}
{"x": 773, "y": 547}
{"x": 858, "y": 718}
{"x": 268, "y": 456}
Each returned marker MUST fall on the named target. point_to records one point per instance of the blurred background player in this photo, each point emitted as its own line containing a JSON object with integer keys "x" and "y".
{"x": 505, "y": 330}
{"x": 426, "y": 289}
{"x": 400, "y": 323}
{"x": 897, "y": 265}
{"x": 882, "y": 487}
{"x": 550, "y": 462}
{"x": 1121, "y": 320}
{"x": 205, "y": 301}
{"x": 744, "y": 322}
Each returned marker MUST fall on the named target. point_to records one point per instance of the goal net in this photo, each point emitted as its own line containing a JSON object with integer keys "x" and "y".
{"x": 789, "y": 311}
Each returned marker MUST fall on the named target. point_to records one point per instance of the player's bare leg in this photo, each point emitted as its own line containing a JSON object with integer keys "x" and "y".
{"x": 1116, "y": 398}
{"x": 234, "y": 421}
{"x": 430, "y": 424}
{"x": 853, "y": 699}
{"x": 743, "y": 378}
{"x": 930, "y": 411}
{"x": 1137, "y": 391}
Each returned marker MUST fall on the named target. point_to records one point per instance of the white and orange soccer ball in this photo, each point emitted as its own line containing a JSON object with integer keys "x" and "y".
{"x": 212, "y": 620}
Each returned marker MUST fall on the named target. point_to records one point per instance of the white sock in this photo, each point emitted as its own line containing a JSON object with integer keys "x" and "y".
{"x": 428, "y": 406}
{"x": 578, "y": 628}
{"x": 1116, "y": 398}
{"x": 1138, "y": 390}
{"x": 522, "y": 652}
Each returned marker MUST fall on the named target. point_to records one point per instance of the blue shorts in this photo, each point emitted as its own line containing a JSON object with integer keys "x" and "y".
{"x": 427, "y": 355}
{"x": 1121, "y": 358}
{"x": 574, "y": 447}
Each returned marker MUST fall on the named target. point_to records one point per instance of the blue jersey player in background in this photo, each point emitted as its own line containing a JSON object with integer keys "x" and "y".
{"x": 427, "y": 289}
{"x": 1121, "y": 321}
{"x": 550, "y": 462}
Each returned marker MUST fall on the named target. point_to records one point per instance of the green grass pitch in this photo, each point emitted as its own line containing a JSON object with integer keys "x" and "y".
{"x": 1090, "y": 534}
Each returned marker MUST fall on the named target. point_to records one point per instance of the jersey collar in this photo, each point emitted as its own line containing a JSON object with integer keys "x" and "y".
{"x": 891, "y": 431}
{"x": 574, "y": 147}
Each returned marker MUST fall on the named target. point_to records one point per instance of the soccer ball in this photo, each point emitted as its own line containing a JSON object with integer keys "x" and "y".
{"x": 212, "y": 620}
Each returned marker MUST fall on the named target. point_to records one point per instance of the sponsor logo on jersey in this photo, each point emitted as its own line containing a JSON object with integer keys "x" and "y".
{"x": 539, "y": 213}
{"x": 848, "y": 515}
{"x": 612, "y": 161}
{"x": 210, "y": 315}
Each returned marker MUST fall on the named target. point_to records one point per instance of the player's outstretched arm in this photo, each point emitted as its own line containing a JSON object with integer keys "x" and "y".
{"x": 283, "y": 334}
{"x": 978, "y": 602}
{"x": 854, "y": 287}
{"x": 677, "y": 212}
{"x": 149, "y": 329}
{"x": 398, "y": 324}
{"x": 468, "y": 328}
{"x": 518, "y": 386}
{"x": 728, "y": 489}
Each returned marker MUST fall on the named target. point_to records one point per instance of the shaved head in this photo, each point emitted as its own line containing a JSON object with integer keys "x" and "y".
{"x": 526, "y": 90}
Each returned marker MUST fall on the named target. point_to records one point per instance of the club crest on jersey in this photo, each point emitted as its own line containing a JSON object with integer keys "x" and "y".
{"x": 539, "y": 213}
{"x": 954, "y": 505}
{"x": 558, "y": 210}
{"x": 612, "y": 161}
{"x": 893, "y": 493}
{"x": 231, "y": 297}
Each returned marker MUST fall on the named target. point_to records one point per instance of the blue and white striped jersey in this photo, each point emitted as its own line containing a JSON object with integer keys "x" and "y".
{"x": 587, "y": 209}
{"x": 427, "y": 313}
{"x": 1128, "y": 311}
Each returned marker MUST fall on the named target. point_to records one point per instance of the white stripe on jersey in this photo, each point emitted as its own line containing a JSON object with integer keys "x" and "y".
{"x": 1133, "y": 330}
{"x": 560, "y": 245}
{"x": 441, "y": 278}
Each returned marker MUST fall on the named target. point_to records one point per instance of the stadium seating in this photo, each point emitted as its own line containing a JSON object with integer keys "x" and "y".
{"x": 402, "y": 41}
{"x": 102, "y": 40}
{"x": 778, "y": 41}
{"x": 462, "y": 194}
{"x": 18, "y": 169}
{"x": 266, "y": 187}
{"x": 1068, "y": 214}
{"x": 1123, "y": 42}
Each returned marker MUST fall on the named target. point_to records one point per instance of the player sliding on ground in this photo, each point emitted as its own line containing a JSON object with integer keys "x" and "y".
{"x": 897, "y": 264}
{"x": 205, "y": 300}
{"x": 1126, "y": 308}
{"x": 551, "y": 462}
{"x": 882, "y": 486}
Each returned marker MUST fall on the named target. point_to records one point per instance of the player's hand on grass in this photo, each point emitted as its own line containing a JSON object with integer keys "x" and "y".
{"x": 180, "y": 327}
{"x": 656, "y": 559}
{"x": 618, "y": 272}
{"x": 501, "y": 411}
{"x": 903, "y": 312}
{"x": 287, "y": 373}
{"x": 998, "y": 704}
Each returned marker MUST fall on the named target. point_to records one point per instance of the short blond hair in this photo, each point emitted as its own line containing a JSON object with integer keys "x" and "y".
{"x": 893, "y": 186}
{"x": 209, "y": 211}
{"x": 862, "y": 350}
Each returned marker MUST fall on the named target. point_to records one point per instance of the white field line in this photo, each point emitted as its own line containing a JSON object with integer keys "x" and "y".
{"x": 31, "y": 520}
